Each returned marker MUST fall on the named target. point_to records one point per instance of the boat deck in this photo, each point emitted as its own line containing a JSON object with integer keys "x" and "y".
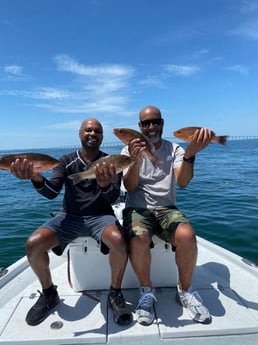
{"x": 226, "y": 283}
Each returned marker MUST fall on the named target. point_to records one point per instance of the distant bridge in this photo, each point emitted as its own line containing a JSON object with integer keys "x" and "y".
{"x": 242, "y": 137}
{"x": 238, "y": 137}
{"x": 116, "y": 144}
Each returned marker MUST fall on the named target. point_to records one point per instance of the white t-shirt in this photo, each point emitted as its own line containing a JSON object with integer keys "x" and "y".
{"x": 156, "y": 187}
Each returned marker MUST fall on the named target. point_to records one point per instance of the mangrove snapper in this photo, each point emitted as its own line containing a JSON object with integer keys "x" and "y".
{"x": 187, "y": 134}
{"x": 120, "y": 162}
{"x": 40, "y": 161}
{"x": 127, "y": 134}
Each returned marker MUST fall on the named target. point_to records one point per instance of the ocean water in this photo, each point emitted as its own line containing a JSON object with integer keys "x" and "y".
{"x": 221, "y": 201}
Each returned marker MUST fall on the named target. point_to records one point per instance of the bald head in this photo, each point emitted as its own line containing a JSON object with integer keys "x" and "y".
{"x": 149, "y": 112}
{"x": 91, "y": 123}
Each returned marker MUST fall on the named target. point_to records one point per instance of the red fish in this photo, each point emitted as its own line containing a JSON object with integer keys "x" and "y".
{"x": 127, "y": 134}
{"x": 120, "y": 162}
{"x": 40, "y": 161}
{"x": 187, "y": 134}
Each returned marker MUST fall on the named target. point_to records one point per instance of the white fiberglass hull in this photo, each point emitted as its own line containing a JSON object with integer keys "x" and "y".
{"x": 227, "y": 284}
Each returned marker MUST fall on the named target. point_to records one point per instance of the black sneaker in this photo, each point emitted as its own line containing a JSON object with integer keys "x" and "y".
{"x": 122, "y": 314}
{"x": 42, "y": 308}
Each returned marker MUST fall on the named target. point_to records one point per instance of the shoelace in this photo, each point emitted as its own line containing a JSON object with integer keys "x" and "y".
{"x": 41, "y": 301}
{"x": 195, "y": 299}
{"x": 145, "y": 300}
{"x": 119, "y": 300}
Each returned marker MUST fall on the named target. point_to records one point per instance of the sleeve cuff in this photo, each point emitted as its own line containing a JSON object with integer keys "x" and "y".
{"x": 107, "y": 188}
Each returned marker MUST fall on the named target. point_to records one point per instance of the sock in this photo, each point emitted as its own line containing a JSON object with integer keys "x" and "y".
{"x": 181, "y": 290}
{"x": 114, "y": 291}
{"x": 145, "y": 289}
{"x": 49, "y": 291}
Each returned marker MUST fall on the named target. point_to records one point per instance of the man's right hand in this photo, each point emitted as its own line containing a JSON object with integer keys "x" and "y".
{"x": 135, "y": 148}
{"x": 23, "y": 169}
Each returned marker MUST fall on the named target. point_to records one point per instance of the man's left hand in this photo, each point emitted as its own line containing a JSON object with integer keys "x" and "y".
{"x": 105, "y": 174}
{"x": 201, "y": 139}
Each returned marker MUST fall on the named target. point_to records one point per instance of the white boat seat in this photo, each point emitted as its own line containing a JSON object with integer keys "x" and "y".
{"x": 85, "y": 260}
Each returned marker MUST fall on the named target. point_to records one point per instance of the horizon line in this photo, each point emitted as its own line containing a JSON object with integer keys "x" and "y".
{"x": 119, "y": 143}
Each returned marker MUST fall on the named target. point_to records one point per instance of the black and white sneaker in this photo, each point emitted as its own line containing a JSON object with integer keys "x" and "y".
{"x": 122, "y": 313}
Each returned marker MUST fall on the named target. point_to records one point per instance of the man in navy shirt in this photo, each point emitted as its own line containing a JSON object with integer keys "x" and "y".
{"x": 86, "y": 211}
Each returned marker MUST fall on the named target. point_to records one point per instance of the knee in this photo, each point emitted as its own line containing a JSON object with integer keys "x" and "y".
{"x": 32, "y": 241}
{"x": 142, "y": 241}
{"x": 115, "y": 241}
{"x": 31, "y": 245}
{"x": 118, "y": 241}
{"x": 37, "y": 243}
{"x": 185, "y": 235}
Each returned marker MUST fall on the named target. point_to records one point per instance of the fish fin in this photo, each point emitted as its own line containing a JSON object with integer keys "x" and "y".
{"x": 152, "y": 147}
{"x": 37, "y": 170}
{"x": 155, "y": 161}
{"x": 222, "y": 139}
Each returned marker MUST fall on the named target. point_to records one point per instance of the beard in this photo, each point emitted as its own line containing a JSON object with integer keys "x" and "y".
{"x": 156, "y": 138}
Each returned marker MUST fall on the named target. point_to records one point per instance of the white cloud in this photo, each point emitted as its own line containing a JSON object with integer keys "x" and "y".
{"x": 181, "y": 70}
{"x": 200, "y": 54}
{"x": 50, "y": 94}
{"x": 93, "y": 88}
{"x": 74, "y": 125}
{"x": 107, "y": 105}
{"x": 152, "y": 80}
{"x": 97, "y": 89}
{"x": 67, "y": 64}
{"x": 40, "y": 93}
{"x": 12, "y": 72}
{"x": 247, "y": 30}
{"x": 238, "y": 68}
{"x": 13, "y": 69}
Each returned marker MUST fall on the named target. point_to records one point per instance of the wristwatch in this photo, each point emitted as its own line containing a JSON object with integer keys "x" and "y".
{"x": 189, "y": 160}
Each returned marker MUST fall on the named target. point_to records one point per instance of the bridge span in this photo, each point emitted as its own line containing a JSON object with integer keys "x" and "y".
{"x": 233, "y": 137}
{"x": 115, "y": 144}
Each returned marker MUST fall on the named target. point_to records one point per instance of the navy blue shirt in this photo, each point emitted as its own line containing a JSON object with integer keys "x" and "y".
{"x": 84, "y": 198}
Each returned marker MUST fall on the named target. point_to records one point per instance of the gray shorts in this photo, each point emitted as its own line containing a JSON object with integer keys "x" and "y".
{"x": 68, "y": 227}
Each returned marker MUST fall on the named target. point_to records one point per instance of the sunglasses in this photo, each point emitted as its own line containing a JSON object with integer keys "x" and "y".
{"x": 154, "y": 122}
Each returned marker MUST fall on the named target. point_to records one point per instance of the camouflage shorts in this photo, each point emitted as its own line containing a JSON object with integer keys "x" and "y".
{"x": 159, "y": 221}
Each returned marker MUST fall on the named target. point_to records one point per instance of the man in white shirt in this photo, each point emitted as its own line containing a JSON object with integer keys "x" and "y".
{"x": 151, "y": 209}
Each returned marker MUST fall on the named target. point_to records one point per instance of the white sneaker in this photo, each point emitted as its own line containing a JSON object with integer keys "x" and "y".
{"x": 192, "y": 301}
{"x": 144, "y": 310}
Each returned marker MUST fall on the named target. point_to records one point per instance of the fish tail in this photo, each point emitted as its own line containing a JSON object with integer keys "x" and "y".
{"x": 76, "y": 178}
{"x": 154, "y": 160}
{"x": 222, "y": 139}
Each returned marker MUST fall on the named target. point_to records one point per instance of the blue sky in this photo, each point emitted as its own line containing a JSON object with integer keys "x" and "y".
{"x": 64, "y": 61}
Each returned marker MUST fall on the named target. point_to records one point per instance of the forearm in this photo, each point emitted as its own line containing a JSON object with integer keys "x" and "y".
{"x": 38, "y": 181}
{"x": 185, "y": 172}
{"x": 111, "y": 192}
{"x": 131, "y": 178}
{"x": 47, "y": 188}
